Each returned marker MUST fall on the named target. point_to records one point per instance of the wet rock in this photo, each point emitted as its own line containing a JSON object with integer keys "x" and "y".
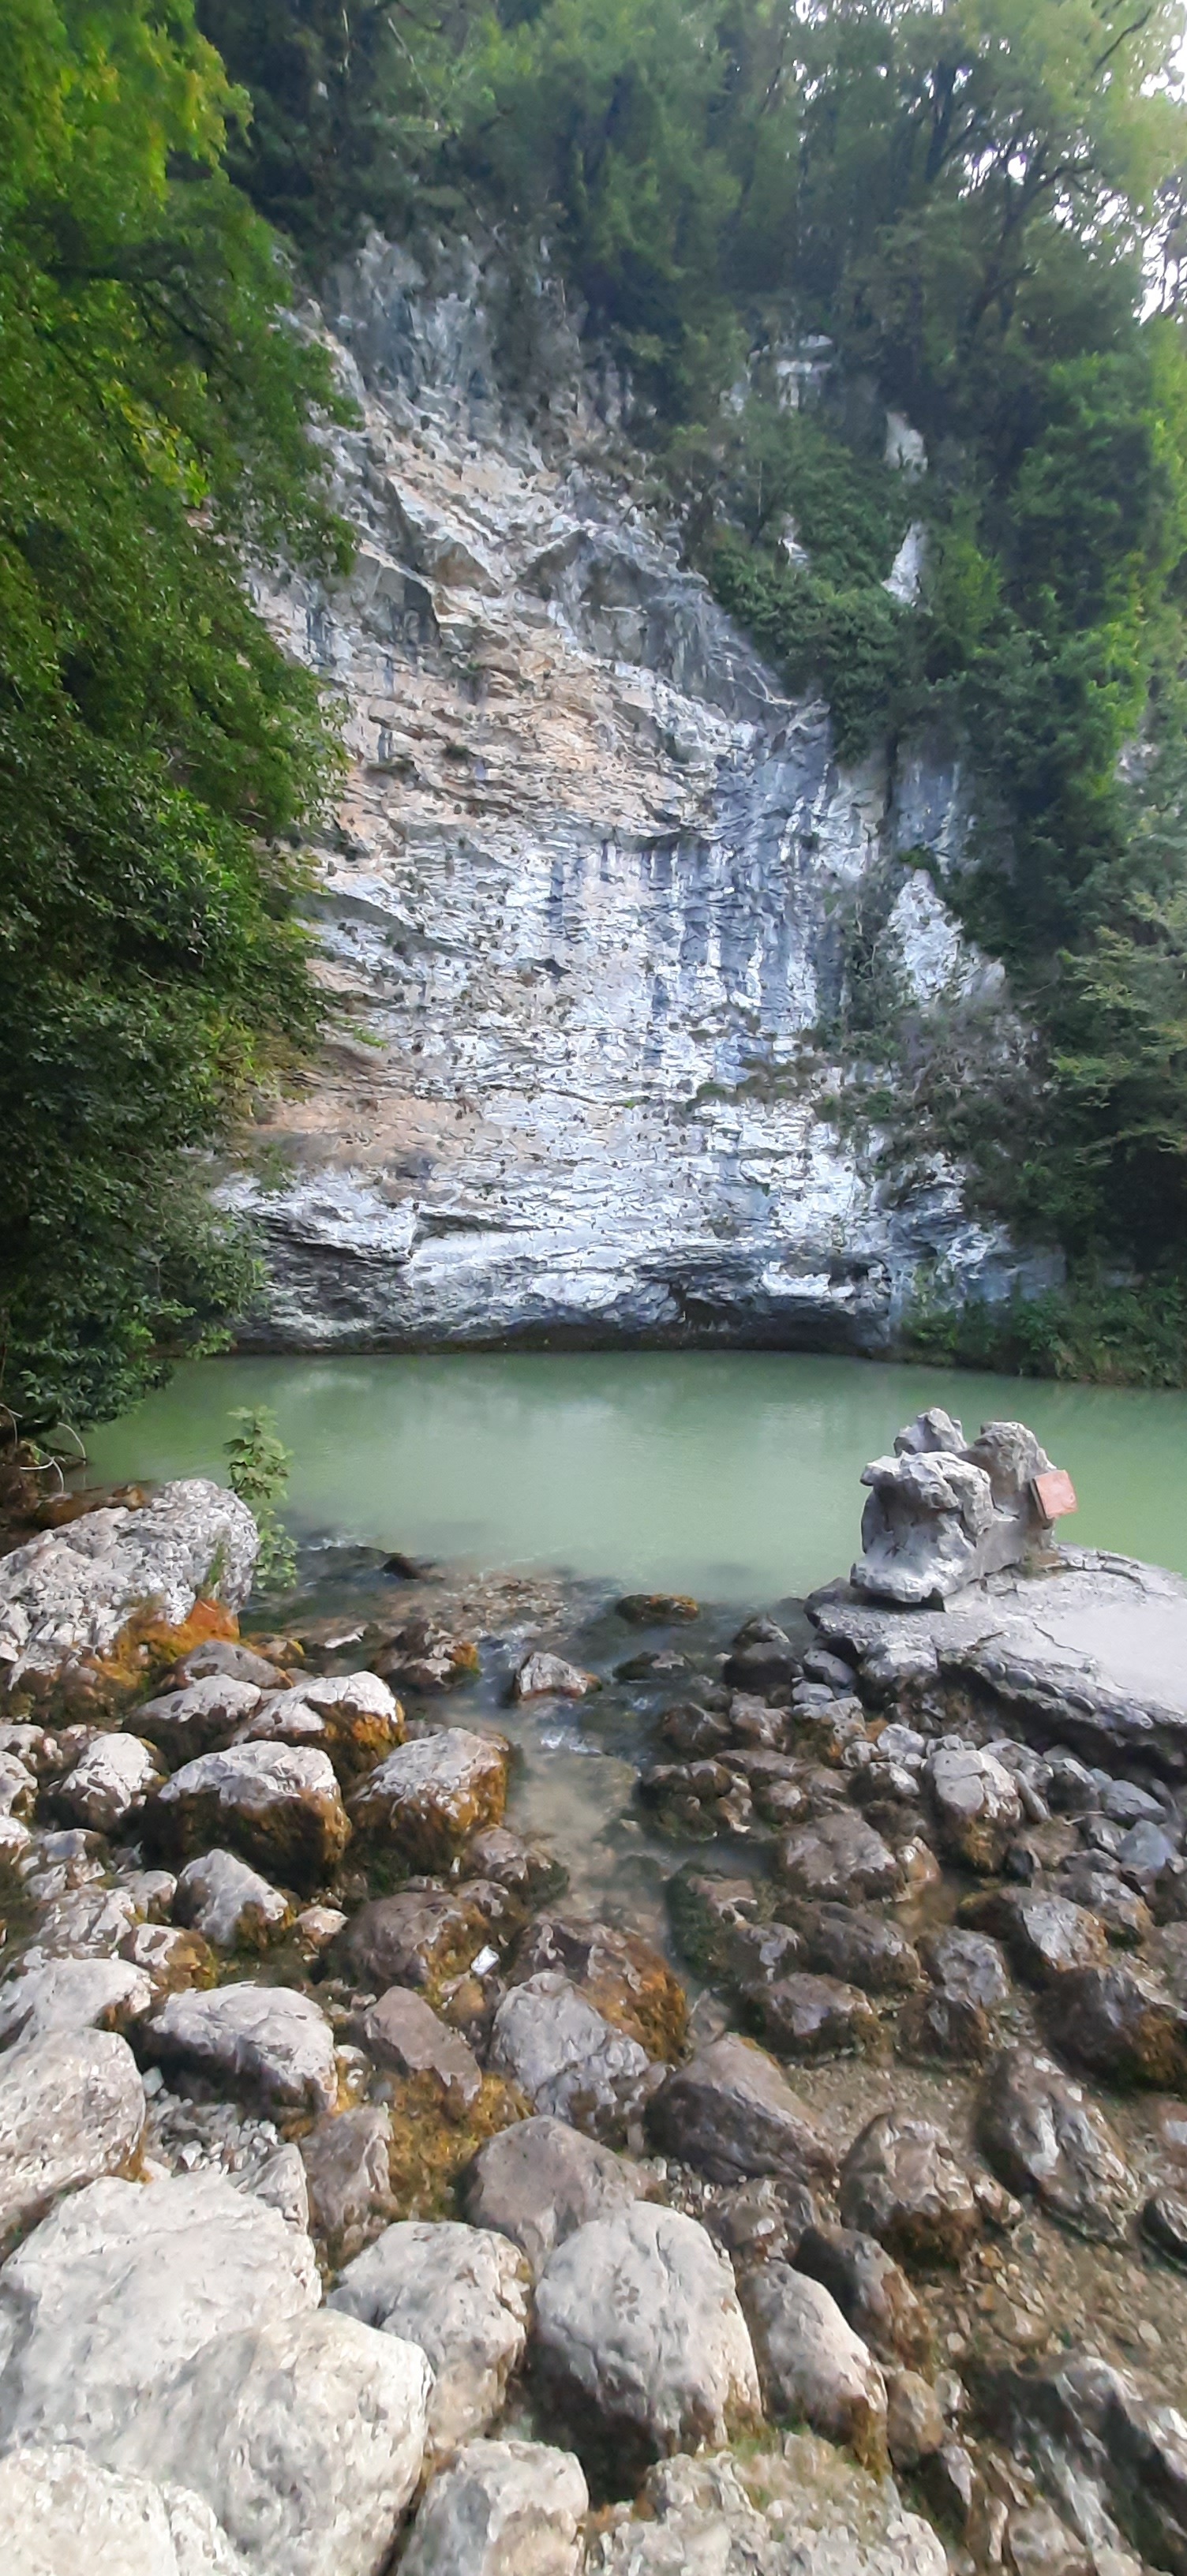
{"x": 915, "y": 2426}
{"x": 59, "y": 2511}
{"x": 78, "y": 1604}
{"x": 112, "y": 2294}
{"x": 640, "y": 2340}
{"x": 1043, "y": 2136}
{"x": 172, "y": 1960}
{"x": 304, "y": 2434}
{"x": 691, "y": 1731}
{"x": 538, "y": 2182}
{"x": 566, "y": 2057}
{"x": 229, "y": 1904}
{"x": 550, "y": 1677}
{"x": 731, "y": 2114}
{"x": 1121, "y": 2022}
{"x": 865, "y": 1949}
{"x": 977, "y": 1806}
{"x": 900, "y": 2183}
{"x": 837, "y": 1860}
{"x": 264, "y": 2042}
{"x": 762, "y": 1659}
{"x": 803, "y": 2016}
{"x": 752, "y": 1721}
{"x": 942, "y": 2027}
{"x": 760, "y": 2222}
{"x": 503, "y": 2507}
{"x": 430, "y": 1797}
{"x": 657, "y": 1609}
{"x": 1164, "y": 2221}
{"x": 71, "y": 1994}
{"x": 620, "y": 1974}
{"x": 424, "y": 1657}
{"x": 352, "y": 1717}
{"x": 1046, "y": 1936}
{"x": 71, "y": 2108}
{"x": 812, "y": 2368}
{"x": 525, "y": 1869}
{"x": 967, "y": 1965}
{"x": 873, "y": 2295}
{"x": 110, "y": 1784}
{"x": 803, "y": 2511}
{"x": 276, "y": 1804}
{"x": 403, "y": 2032}
{"x": 346, "y": 2173}
{"x": 201, "y": 1718}
{"x": 1112, "y": 2460}
{"x": 1146, "y": 1853}
{"x": 462, "y": 2294}
{"x": 755, "y": 1954}
{"x": 422, "y": 1937}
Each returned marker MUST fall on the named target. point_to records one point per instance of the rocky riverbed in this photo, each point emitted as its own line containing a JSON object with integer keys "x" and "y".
{"x": 501, "y": 2081}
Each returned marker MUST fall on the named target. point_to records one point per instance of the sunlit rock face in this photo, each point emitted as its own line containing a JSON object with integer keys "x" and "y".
{"x": 589, "y": 884}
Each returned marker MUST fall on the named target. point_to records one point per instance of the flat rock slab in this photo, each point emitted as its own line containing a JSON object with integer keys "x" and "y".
{"x": 462, "y": 2294}
{"x": 265, "y": 2042}
{"x": 71, "y": 2109}
{"x": 503, "y": 2507}
{"x": 641, "y": 2341}
{"x": 107, "y": 2299}
{"x": 1093, "y": 1653}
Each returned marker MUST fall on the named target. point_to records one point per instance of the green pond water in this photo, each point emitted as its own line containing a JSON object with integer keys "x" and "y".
{"x": 733, "y": 1475}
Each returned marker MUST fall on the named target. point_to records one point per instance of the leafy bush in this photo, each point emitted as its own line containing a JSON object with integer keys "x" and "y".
{"x": 258, "y": 1473}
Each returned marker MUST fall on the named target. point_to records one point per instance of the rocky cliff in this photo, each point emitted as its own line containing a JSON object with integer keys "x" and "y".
{"x": 589, "y": 884}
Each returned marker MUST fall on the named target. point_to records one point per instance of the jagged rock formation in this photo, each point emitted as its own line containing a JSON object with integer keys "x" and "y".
{"x": 589, "y": 881}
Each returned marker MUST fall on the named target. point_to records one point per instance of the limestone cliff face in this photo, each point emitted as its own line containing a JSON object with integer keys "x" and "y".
{"x": 587, "y": 881}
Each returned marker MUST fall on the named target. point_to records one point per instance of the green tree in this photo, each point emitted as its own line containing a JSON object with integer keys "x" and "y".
{"x": 157, "y": 754}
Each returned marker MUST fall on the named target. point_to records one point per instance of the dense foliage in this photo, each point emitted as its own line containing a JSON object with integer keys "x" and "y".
{"x": 157, "y": 754}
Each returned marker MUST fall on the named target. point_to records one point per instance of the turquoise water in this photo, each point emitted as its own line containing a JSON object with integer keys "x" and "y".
{"x": 731, "y": 1474}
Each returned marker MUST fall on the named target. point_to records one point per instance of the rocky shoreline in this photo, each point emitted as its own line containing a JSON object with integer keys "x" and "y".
{"x": 813, "y": 2206}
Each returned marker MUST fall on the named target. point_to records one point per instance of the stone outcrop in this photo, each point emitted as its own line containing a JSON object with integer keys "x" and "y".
{"x": 589, "y": 883}
{"x": 86, "y": 1609}
{"x": 943, "y": 1511}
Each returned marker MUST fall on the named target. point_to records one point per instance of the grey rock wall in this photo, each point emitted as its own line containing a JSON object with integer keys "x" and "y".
{"x": 586, "y": 885}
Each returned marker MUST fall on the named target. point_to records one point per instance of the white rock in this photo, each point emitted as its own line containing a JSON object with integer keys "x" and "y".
{"x": 461, "y": 2293}
{"x": 121, "y": 2285}
{"x": 110, "y": 1783}
{"x": 561, "y": 2052}
{"x": 279, "y": 1803}
{"x": 205, "y": 1713}
{"x": 304, "y": 2434}
{"x": 63, "y": 2515}
{"x": 433, "y": 1794}
{"x": 550, "y": 1677}
{"x": 640, "y": 2334}
{"x": 85, "y": 1923}
{"x": 71, "y": 1994}
{"x": 503, "y": 2509}
{"x": 265, "y": 2041}
{"x": 229, "y": 1903}
{"x": 71, "y": 2108}
{"x": 67, "y": 1595}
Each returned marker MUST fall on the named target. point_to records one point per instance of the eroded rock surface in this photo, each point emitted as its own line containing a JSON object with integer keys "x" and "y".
{"x": 70, "y": 1597}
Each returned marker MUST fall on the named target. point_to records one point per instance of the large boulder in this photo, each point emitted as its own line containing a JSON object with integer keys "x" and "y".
{"x": 423, "y": 1937}
{"x": 566, "y": 2057}
{"x": 942, "y": 1512}
{"x": 731, "y": 2113}
{"x": 201, "y": 1716}
{"x": 541, "y": 2180}
{"x": 813, "y": 2016}
{"x": 1114, "y": 2461}
{"x": 812, "y": 2368}
{"x": 1120, "y": 2022}
{"x": 265, "y": 2042}
{"x": 900, "y": 2183}
{"x": 85, "y": 1609}
{"x": 503, "y": 2509}
{"x": 50, "y": 1994}
{"x": 1046, "y": 1935}
{"x": 277, "y": 1804}
{"x": 641, "y": 2341}
{"x": 462, "y": 2294}
{"x": 60, "y": 2512}
{"x": 1042, "y": 2135}
{"x": 304, "y": 2434}
{"x": 71, "y": 2108}
{"x": 122, "y": 2284}
{"x": 429, "y": 1797}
